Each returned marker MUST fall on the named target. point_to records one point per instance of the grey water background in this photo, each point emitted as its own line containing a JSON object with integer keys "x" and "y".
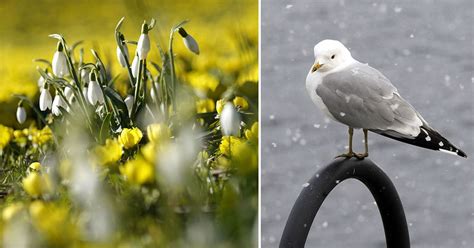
{"x": 426, "y": 49}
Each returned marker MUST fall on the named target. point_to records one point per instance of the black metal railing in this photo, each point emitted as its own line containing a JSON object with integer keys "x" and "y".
{"x": 326, "y": 179}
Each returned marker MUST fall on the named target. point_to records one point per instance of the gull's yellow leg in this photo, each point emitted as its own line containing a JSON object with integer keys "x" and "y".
{"x": 350, "y": 153}
{"x": 366, "y": 144}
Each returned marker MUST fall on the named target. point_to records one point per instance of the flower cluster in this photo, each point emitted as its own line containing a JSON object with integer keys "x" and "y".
{"x": 134, "y": 157}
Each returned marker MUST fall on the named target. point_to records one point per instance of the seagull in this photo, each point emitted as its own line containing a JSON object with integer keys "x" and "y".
{"x": 361, "y": 97}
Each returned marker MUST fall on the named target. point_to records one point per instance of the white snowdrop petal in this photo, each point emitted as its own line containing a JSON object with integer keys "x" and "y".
{"x": 41, "y": 82}
{"x": 57, "y": 103}
{"x": 230, "y": 120}
{"x": 135, "y": 66}
{"x": 143, "y": 46}
{"x": 45, "y": 100}
{"x": 121, "y": 57}
{"x": 129, "y": 103}
{"x": 191, "y": 44}
{"x": 94, "y": 93}
{"x": 59, "y": 64}
{"x": 20, "y": 115}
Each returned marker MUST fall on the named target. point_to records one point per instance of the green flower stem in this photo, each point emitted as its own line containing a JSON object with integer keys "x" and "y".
{"x": 72, "y": 70}
{"x": 137, "y": 89}
{"x": 173, "y": 74}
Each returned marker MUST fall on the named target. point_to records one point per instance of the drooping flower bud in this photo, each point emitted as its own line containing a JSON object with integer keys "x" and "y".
{"x": 135, "y": 66}
{"x": 59, "y": 62}
{"x": 57, "y": 103}
{"x": 122, "y": 58}
{"x": 45, "y": 100}
{"x": 41, "y": 82}
{"x": 230, "y": 120}
{"x": 189, "y": 41}
{"x": 143, "y": 46}
{"x": 20, "y": 113}
{"x": 94, "y": 91}
{"x": 85, "y": 76}
{"x": 129, "y": 103}
{"x": 68, "y": 93}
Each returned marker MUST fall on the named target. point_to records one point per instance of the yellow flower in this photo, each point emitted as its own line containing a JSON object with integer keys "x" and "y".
{"x": 138, "y": 171}
{"x": 241, "y": 103}
{"x": 42, "y": 136}
{"x": 251, "y": 75}
{"x": 37, "y": 209}
{"x": 130, "y": 137}
{"x": 149, "y": 152}
{"x": 21, "y": 136}
{"x": 158, "y": 132}
{"x": 5, "y": 136}
{"x": 228, "y": 143}
{"x": 47, "y": 217}
{"x": 11, "y": 210}
{"x": 205, "y": 106}
{"x": 231, "y": 64}
{"x": 35, "y": 166}
{"x": 220, "y": 105}
{"x": 109, "y": 153}
{"x": 252, "y": 133}
{"x": 203, "y": 82}
{"x": 245, "y": 158}
{"x": 36, "y": 185}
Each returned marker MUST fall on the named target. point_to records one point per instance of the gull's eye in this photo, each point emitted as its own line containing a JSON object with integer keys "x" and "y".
{"x": 333, "y": 56}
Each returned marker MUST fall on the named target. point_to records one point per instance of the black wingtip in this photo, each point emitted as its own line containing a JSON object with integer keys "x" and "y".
{"x": 430, "y": 139}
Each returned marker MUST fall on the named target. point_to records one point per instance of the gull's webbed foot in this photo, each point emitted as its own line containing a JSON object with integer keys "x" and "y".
{"x": 346, "y": 155}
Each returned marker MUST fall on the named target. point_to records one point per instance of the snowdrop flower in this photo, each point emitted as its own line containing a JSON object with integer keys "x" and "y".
{"x": 129, "y": 102}
{"x": 135, "y": 65}
{"x": 20, "y": 114}
{"x": 122, "y": 58}
{"x": 60, "y": 62}
{"x": 143, "y": 46}
{"x": 94, "y": 91}
{"x": 85, "y": 76}
{"x": 189, "y": 41}
{"x": 230, "y": 120}
{"x": 45, "y": 100}
{"x": 68, "y": 93}
{"x": 41, "y": 81}
{"x": 57, "y": 103}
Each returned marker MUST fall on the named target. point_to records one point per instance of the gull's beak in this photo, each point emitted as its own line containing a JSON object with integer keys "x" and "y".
{"x": 316, "y": 66}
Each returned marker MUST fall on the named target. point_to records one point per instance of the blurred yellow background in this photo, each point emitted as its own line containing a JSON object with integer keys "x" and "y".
{"x": 26, "y": 25}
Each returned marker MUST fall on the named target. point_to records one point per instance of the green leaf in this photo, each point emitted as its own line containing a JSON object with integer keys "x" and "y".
{"x": 77, "y": 43}
{"x": 102, "y": 71}
{"x": 105, "y": 128}
{"x": 119, "y": 104}
{"x": 43, "y": 61}
{"x": 119, "y": 24}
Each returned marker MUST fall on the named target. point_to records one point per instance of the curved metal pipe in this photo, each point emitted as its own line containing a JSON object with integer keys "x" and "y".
{"x": 326, "y": 179}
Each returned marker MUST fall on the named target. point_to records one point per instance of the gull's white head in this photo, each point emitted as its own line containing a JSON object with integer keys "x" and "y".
{"x": 330, "y": 54}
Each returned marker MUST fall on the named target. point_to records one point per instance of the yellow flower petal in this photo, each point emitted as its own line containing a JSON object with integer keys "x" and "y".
{"x": 130, "y": 137}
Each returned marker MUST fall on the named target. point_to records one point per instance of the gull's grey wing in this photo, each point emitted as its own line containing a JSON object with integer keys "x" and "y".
{"x": 361, "y": 97}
